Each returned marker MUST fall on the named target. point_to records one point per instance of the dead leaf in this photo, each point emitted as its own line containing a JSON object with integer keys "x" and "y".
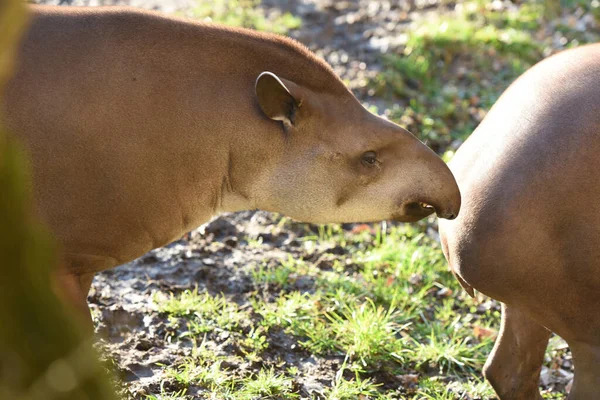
{"x": 480, "y": 332}
{"x": 362, "y": 228}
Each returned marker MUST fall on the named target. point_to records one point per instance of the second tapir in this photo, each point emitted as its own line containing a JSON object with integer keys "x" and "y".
{"x": 142, "y": 127}
{"x": 529, "y": 231}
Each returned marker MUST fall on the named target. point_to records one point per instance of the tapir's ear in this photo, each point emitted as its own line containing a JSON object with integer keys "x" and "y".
{"x": 276, "y": 99}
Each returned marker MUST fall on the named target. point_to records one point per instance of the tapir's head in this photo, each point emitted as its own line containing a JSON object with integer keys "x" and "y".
{"x": 340, "y": 163}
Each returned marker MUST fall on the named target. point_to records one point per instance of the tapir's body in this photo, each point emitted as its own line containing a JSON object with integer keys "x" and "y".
{"x": 529, "y": 230}
{"x": 142, "y": 127}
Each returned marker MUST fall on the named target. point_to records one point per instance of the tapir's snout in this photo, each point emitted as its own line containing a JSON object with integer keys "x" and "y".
{"x": 449, "y": 215}
{"x": 446, "y": 197}
{"x": 436, "y": 186}
{"x": 416, "y": 210}
{"x": 447, "y": 205}
{"x": 450, "y": 212}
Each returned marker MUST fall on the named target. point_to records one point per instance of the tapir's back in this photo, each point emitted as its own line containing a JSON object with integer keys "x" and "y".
{"x": 529, "y": 175}
{"x": 545, "y": 126}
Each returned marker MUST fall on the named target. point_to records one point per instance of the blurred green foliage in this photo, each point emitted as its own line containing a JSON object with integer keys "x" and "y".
{"x": 43, "y": 353}
{"x": 12, "y": 24}
{"x": 454, "y": 67}
{"x": 245, "y": 14}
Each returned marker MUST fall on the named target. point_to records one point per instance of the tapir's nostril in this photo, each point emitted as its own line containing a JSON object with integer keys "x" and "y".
{"x": 418, "y": 209}
{"x": 422, "y": 209}
{"x": 447, "y": 215}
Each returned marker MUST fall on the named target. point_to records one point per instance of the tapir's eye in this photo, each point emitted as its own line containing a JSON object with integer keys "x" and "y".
{"x": 369, "y": 158}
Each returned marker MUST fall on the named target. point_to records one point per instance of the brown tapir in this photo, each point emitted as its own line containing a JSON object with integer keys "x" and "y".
{"x": 529, "y": 230}
{"x": 142, "y": 127}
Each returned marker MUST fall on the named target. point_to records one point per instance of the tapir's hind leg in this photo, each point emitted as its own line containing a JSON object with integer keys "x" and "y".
{"x": 586, "y": 359}
{"x": 513, "y": 368}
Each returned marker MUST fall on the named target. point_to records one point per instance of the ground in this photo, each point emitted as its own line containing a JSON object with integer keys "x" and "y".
{"x": 255, "y": 306}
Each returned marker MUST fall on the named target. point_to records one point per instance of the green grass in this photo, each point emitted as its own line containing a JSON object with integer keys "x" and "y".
{"x": 350, "y": 389}
{"x": 180, "y": 395}
{"x": 280, "y": 276}
{"x": 267, "y": 385}
{"x": 400, "y": 311}
{"x": 366, "y": 333}
{"x": 455, "y": 66}
{"x": 209, "y": 375}
{"x": 201, "y": 312}
{"x": 245, "y": 14}
{"x": 204, "y": 369}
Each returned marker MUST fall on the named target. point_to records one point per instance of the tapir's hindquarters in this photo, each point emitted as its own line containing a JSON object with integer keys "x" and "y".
{"x": 529, "y": 229}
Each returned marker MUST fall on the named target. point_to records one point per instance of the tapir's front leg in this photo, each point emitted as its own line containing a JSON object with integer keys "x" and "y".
{"x": 73, "y": 290}
{"x": 73, "y": 281}
{"x": 513, "y": 368}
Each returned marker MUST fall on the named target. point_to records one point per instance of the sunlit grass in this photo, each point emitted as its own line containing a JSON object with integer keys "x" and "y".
{"x": 398, "y": 309}
{"x": 448, "y": 352}
{"x": 351, "y": 389}
{"x": 245, "y": 14}
{"x": 267, "y": 384}
{"x": 366, "y": 333}
{"x": 455, "y": 65}
{"x": 180, "y": 395}
{"x": 209, "y": 374}
{"x": 203, "y": 311}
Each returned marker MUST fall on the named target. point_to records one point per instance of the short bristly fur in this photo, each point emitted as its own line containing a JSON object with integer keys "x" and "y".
{"x": 142, "y": 127}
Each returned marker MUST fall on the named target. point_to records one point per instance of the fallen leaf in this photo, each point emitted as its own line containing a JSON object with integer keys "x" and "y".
{"x": 480, "y": 332}
{"x": 361, "y": 228}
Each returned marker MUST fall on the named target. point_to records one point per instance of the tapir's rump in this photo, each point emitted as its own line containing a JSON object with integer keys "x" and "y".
{"x": 529, "y": 227}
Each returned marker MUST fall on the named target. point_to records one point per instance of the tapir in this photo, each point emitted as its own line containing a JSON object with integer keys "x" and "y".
{"x": 141, "y": 127}
{"x": 529, "y": 230}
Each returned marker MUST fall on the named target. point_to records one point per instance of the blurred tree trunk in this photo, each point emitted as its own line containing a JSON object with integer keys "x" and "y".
{"x": 44, "y": 354}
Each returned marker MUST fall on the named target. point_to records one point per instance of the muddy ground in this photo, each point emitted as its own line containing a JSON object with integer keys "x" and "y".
{"x": 217, "y": 258}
